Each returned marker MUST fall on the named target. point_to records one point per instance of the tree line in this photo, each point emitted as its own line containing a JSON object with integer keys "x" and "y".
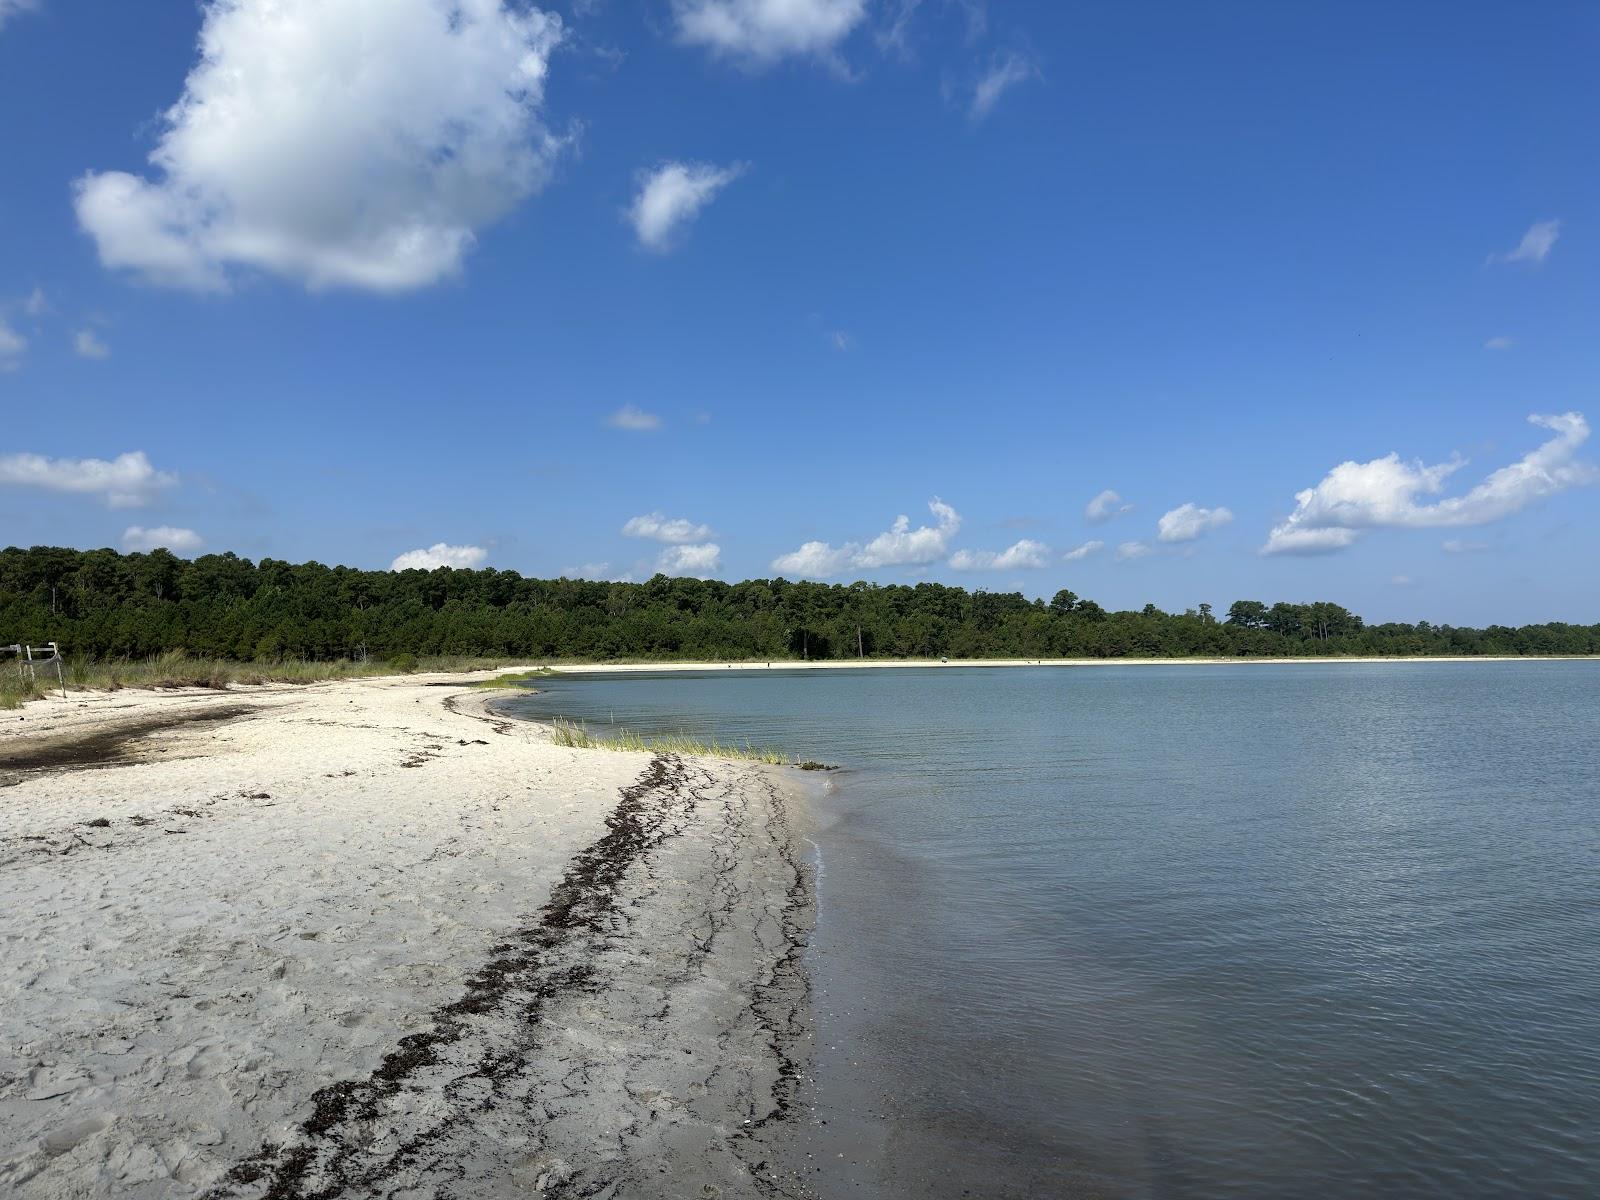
{"x": 102, "y": 604}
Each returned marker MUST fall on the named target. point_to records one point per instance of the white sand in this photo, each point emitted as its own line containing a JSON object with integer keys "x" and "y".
{"x": 275, "y": 900}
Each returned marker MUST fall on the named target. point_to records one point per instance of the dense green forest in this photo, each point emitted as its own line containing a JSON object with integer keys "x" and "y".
{"x": 103, "y": 604}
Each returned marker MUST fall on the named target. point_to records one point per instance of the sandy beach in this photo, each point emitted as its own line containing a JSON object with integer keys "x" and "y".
{"x": 370, "y": 938}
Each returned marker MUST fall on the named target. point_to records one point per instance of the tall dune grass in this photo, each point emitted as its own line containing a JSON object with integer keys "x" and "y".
{"x": 174, "y": 669}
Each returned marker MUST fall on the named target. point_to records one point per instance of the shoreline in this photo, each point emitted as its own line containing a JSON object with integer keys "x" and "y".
{"x": 1000, "y": 663}
{"x": 371, "y": 935}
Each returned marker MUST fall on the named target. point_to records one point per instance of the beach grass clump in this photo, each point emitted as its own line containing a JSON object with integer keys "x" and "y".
{"x": 515, "y": 679}
{"x": 576, "y": 736}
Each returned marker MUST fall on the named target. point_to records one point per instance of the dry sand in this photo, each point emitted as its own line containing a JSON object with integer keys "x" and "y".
{"x": 367, "y": 939}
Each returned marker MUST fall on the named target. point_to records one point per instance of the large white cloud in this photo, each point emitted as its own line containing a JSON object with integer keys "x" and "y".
{"x": 898, "y": 546}
{"x": 127, "y": 481}
{"x": 758, "y": 32}
{"x": 361, "y": 144}
{"x": 659, "y": 527}
{"x": 671, "y": 196}
{"x": 137, "y": 537}
{"x": 1024, "y": 554}
{"x": 690, "y": 560}
{"x": 440, "y": 555}
{"x": 1189, "y": 521}
{"x": 1384, "y": 493}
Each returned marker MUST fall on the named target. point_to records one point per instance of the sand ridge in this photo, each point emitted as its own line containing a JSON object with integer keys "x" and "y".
{"x": 372, "y": 939}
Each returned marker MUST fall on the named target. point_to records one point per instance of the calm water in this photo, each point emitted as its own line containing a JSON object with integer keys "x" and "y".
{"x": 1283, "y": 930}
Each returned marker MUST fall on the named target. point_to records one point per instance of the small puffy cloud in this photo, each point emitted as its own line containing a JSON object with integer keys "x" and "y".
{"x": 179, "y": 541}
{"x": 1499, "y": 343}
{"x": 1003, "y": 74}
{"x": 900, "y": 545}
{"x": 1189, "y": 521}
{"x": 361, "y": 144}
{"x": 1079, "y": 553}
{"x": 671, "y": 196}
{"x": 1128, "y": 551}
{"x": 593, "y": 570}
{"x": 12, "y": 345}
{"x": 1402, "y": 580}
{"x": 634, "y": 420}
{"x": 440, "y": 555}
{"x": 815, "y": 560}
{"x": 127, "y": 481}
{"x": 659, "y": 527}
{"x": 759, "y": 32}
{"x": 1535, "y": 245}
{"x": 1024, "y": 554}
{"x": 86, "y": 345}
{"x": 698, "y": 560}
{"x": 1385, "y": 493}
{"x": 1105, "y": 506}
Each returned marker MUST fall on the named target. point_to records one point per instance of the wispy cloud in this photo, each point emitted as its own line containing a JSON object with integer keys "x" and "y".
{"x": 661, "y": 528}
{"x": 87, "y": 345}
{"x": 1463, "y": 546}
{"x": 179, "y": 541}
{"x": 1004, "y": 73}
{"x": 1128, "y": 551}
{"x": 1078, "y": 553}
{"x": 671, "y": 196}
{"x": 1498, "y": 343}
{"x": 12, "y": 8}
{"x": 1026, "y": 554}
{"x": 759, "y": 32}
{"x": 440, "y": 555}
{"x": 37, "y": 304}
{"x": 1188, "y": 521}
{"x": 1105, "y": 506}
{"x": 1535, "y": 245}
{"x": 634, "y": 420}
{"x": 1384, "y": 493}
{"x": 12, "y": 347}
{"x": 127, "y": 481}
{"x": 900, "y": 545}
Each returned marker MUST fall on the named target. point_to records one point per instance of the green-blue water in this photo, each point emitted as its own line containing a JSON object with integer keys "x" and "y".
{"x": 1275, "y": 930}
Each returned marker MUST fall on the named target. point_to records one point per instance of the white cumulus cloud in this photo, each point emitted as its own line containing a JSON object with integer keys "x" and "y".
{"x": 440, "y": 555}
{"x": 900, "y": 545}
{"x": 1535, "y": 245}
{"x": 1026, "y": 553}
{"x": 359, "y": 144}
{"x": 634, "y": 420}
{"x": 1078, "y": 553}
{"x": 87, "y": 345}
{"x": 659, "y": 527}
{"x": 127, "y": 481}
{"x": 759, "y": 32}
{"x": 179, "y": 541}
{"x": 1189, "y": 521}
{"x": 1385, "y": 493}
{"x": 1105, "y": 506}
{"x": 690, "y": 560}
{"x": 671, "y": 196}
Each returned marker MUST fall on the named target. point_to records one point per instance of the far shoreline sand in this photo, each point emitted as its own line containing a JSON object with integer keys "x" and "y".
{"x": 879, "y": 663}
{"x": 371, "y": 937}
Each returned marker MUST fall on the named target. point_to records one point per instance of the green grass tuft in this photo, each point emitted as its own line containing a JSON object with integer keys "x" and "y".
{"x": 577, "y": 736}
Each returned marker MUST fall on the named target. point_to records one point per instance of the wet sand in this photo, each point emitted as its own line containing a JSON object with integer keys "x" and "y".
{"x": 370, "y": 938}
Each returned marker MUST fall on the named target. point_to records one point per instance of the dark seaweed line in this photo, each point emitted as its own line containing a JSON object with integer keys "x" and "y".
{"x": 583, "y": 904}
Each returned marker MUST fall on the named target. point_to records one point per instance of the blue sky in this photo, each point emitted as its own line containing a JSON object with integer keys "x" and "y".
{"x": 760, "y": 276}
